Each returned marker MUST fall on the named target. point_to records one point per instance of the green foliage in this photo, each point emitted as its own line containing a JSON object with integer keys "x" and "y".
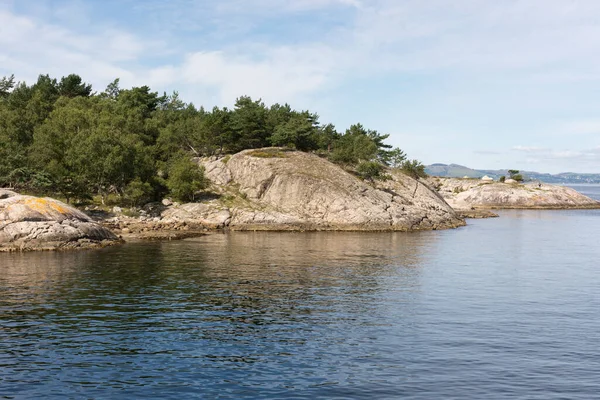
{"x": 6, "y": 85}
{"x": 354, "y": 146}
{"x": 395, "y": 158}
{"x": 185, "y": 178}
{"x": 370, "y": 170}
{"x": 138, "y": 192}
{"x": 414, "y": 169}
{"x": 73, "y": 86}
{"x": 59, "y": 137}
{"x": 248, "y": 125}
{"x": 502, "y": 179}
{"x": 298, "y": 132}
{"x": 514, "y": 174}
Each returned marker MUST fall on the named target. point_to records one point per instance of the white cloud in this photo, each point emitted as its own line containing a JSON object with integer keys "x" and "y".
{"x": 332, "y": 50}
{"x": 282, "y": 73}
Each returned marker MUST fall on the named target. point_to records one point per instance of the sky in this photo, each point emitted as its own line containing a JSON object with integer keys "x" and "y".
{"x": 486, "y": 84}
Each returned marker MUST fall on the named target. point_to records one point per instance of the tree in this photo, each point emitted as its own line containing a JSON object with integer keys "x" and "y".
{"x": 60, "y": 137}
{"x": 185, "y": 178}
{"x": 352, "y": 148}
{"x": 73, "y": 86}
{"x": 326, "y": 136}
{"x": 112, "y": 91}
{"x": 248, "y": 125}
{"x": 514, "y": 174}
{"x": 14, "y": 169}
{"x": 6, "y": 85}
{"x": 278, "y": 115}
{"x": 395, "y": 158}
{"x": 298, "y": 132}
{"x": 138, "y": 192}
{"x": 414, "y": 169}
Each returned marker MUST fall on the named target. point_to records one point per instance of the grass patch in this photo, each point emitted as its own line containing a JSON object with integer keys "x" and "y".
{"x": 226, "y": 159}
{"x": 268, "y": 153}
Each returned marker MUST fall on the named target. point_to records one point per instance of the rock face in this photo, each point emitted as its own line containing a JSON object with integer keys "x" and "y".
{"x": 33, "y": 223}
{"x": 211, "y": 215}
{"x": 273, "y": 189}
{"x": 467, "y": 193}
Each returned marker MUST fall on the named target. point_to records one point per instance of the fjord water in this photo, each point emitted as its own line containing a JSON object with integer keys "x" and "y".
{"x": 502, "y": 308}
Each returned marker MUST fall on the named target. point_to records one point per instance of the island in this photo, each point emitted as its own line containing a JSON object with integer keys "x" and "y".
{"x": 472, "y": 194}
{"x": 85, "y": 169}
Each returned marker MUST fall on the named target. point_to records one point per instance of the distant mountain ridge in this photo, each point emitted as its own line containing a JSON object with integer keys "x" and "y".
{"x": 459, "y": 171}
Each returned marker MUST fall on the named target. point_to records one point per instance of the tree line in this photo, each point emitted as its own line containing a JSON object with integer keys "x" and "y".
{"x": 61, "y": 137}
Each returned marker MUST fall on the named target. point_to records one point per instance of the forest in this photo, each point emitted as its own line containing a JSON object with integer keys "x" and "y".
{"x": 61, "y": 138}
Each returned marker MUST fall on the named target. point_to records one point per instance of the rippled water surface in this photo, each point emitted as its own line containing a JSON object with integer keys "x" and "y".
{"x": 503, "y": 308}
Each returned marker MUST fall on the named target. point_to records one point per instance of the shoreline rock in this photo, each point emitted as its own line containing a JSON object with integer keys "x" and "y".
{"x": 34, "y": 223}
{"x": 477, "y": 214}
{"x": 474, "y": 194}
{"x": 274, "y": 189}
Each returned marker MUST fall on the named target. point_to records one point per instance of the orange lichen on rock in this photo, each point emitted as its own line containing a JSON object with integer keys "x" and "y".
{"x": 43, "y": 206}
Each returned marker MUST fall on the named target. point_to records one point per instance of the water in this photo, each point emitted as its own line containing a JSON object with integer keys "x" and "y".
{"x": 590, "y": 190}
{"x": 503, "y": 308}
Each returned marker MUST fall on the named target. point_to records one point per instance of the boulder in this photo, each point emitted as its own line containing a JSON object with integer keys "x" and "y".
{"x": 33, "y": 223}
{"x": 5, "y": 194}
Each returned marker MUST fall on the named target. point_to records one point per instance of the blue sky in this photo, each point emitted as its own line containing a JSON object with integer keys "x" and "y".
{"x": 487, "y": 84}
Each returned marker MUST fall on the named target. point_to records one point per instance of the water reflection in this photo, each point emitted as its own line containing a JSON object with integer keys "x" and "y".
{"x": 225, "y": 299}
{"x": 496, "y": 307}
{"x": 268, "y": 263}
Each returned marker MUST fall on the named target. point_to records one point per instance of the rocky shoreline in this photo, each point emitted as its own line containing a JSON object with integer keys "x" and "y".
{"x": 33, "y": 223}
{"x": 293, "y": 191}
{"x": 274, "y": 189}
{"x": 469, "y": 195}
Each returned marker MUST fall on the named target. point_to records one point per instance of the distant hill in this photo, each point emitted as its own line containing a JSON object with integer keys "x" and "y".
{"x": 459, "y": 171}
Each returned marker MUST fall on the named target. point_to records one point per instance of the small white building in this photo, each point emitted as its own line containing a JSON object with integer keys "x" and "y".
{"x": 487, "y": 179}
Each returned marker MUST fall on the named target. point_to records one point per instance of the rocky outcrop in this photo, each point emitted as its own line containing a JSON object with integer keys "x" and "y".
{"x": 210, "y": 215}
{"x": 465, "y": 194}
{"x": 33, "y": 223}
{"x": 274, "y": 189}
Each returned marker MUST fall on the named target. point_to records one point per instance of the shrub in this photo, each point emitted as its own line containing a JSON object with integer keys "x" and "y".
{"x": 185, "y": 179}
{"x": 369, "y": 170}
{"x": 502, "y": 179}
{"x": 138, "y": 192}
{"x": 414, "y": 169}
